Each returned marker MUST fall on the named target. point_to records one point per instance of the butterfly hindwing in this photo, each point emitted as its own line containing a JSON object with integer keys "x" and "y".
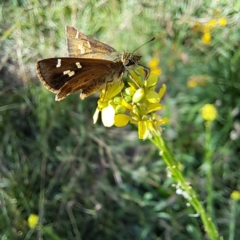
{"x": 67, "y": 75}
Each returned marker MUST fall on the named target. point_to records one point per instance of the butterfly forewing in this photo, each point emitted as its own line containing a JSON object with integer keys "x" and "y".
{"x": 79, "y": 44}
{"x": 67, "y": 75}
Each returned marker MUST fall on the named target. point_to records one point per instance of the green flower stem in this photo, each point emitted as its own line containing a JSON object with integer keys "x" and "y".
{"x": 233, "y": 219}
{"x": 208, "y": 168}
{"x": 189, "y": 193}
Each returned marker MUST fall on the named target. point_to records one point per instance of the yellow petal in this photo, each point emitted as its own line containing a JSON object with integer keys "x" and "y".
{"x": 162, "y": 90}
{"x": 152, "y": 97}
{"x": 113, "y": 90}
{"x": 121, "y": 120}
{"x": 126, "y": 105}
{"x": 162, "y": 121}
{"x": 133, "y": 85}
{"x": 143, "y": 132}
{"x": 156, "y": 71}
{"x": 153, "y": 107}
{"x": 153, "y": 63}
{"x": 108, "y": 114}
{"x": 95, "y": 116}
{"x": 152, "y": 80}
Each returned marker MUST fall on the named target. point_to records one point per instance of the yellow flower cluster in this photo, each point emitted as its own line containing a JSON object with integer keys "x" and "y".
{"x": 207, "y": 27}
{"x": 209, "y": 112}
{"x": 134, "y": 101}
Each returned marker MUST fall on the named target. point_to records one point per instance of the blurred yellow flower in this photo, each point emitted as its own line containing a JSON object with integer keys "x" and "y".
{"x": 211, "y": 24}
{"x": 206, "y": 38}
{"x": 33, "y": 221}
{"x": 195, "y": 81}
{"x": 217, "y": 12}
{"x": 192, "y": 83}
{"x": 208, "y": 112}
{"x": 235, "y": 195}
{"x": 197, "y": 27}
{"x": 207, "y": 28}
{"x": 154, "y": 66}
{"x": 222, "y": 21}
{"x": 156, "y": 71}
{"x": 154, "y": 63}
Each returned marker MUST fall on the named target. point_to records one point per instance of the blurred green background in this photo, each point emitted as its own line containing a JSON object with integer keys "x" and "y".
{"x": 85, "y": 181}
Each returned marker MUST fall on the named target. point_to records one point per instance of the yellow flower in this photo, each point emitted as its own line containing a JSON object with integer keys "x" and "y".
{"x": 192, "y": 83}
{"x": 136, "y": 102}
{"x": 235, "y": 195}
{"x": 156, "y": 71}
{"x": 207, "y": 27}
{"x": 206, "y": 38}
{"x": 195, "y": 81}
{"x": 197, "y": 27}
{"x": 222, "y": 21}
{"x": 208, "y": 112}
{"x": 211, "y": 23}
{"x": 33, "y": 221}
{"x": 141, "y": 109}
{"x": 154, "y": 63}
{"x": 154, "y": 66}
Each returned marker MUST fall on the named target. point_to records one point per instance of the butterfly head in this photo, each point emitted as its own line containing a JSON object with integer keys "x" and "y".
{"x": 130, "y": 61}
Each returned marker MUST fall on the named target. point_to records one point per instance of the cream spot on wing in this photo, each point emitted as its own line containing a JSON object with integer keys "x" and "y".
{"x": 70, "y": 73}
{"x": 81, "y": 48}
{"x": 66, "y": 72}
{"x": 89, "y": 45}
{"x": 77, "y": 34}
{"x": 78, "y": 65}
{"x": 58, "y": 63}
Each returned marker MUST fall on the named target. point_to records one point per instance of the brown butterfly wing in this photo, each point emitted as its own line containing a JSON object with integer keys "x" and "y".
{"x": 64, "y": 76}
{"x": 79, "y": 44}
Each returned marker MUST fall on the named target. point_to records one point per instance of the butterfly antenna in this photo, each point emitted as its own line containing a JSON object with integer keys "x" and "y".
{"x": 144, "y": 44}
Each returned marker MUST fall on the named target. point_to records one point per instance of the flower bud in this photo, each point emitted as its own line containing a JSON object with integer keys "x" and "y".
{"x": 138, "y": 95}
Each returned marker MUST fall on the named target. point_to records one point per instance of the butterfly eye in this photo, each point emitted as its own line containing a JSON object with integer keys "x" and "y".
{"x": 128, "y": 62}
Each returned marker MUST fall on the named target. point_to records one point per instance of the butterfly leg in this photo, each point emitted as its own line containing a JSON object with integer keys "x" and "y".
{"x": 131, "y": 77}
{"x": 146, "y": 71}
